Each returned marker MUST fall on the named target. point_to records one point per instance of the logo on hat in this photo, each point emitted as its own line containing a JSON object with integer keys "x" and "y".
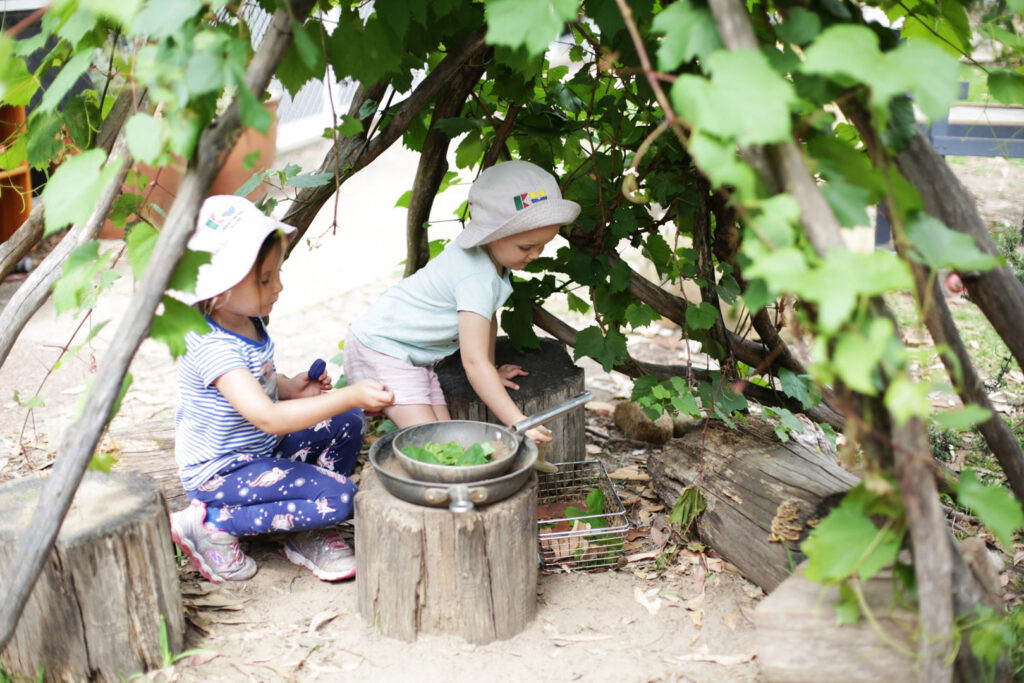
{"x": 216, "y": 222}
{"x": 529, "y": 198}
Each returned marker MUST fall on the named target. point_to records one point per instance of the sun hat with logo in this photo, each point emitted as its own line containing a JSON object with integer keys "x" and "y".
{"x": 232, "y": 230}
{"x": 514, "y": 197}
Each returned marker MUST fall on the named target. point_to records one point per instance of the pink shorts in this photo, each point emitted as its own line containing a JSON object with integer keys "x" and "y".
{"x": 411, "y": 384}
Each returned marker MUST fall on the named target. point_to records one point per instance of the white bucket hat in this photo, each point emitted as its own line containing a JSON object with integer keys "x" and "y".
{"x": 511, "y": 198}
{"x": 232, "y": 230}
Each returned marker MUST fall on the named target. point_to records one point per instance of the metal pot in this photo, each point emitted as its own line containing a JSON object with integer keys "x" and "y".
{"x": 459, "y": 497}
{"x": 466, "y": 433}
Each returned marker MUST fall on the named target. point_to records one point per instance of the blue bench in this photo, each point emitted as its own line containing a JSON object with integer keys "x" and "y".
{"x": 971, "y": 129}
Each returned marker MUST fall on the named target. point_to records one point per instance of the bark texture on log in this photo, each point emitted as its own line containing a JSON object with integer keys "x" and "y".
{"x": 432, "y": 571}
{"x": 798, "y": 640}
{"x": 757, "y": 490}
{"x": 148, "y": 447}
{"x": 95, "y": 610}
{"x": 553, "y": 379}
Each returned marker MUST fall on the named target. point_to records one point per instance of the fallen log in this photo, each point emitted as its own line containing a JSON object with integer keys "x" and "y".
{"x": 763, "y": 496}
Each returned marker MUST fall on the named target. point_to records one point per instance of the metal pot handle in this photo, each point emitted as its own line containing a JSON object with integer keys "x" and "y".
{"x": 459, "y": 496}
{"x": 544, "y": 416}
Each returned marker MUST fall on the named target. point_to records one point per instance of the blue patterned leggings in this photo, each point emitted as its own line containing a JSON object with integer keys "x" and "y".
{"x": 303, "y": 485}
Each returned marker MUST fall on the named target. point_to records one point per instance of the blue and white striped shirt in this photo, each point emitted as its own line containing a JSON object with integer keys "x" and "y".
{"x": 209, "y": 432}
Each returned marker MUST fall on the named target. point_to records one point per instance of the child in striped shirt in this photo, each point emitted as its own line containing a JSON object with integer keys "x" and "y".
{"x": 258, "y": 452}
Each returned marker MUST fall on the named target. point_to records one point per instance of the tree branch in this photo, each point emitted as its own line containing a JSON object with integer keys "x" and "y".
{"x": 22, "y": 569}
{"x": 353, "y": 154}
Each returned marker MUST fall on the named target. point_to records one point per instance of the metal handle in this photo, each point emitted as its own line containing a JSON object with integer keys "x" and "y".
{"x": 459, "y": 496}
{"x": 544, "y": 416}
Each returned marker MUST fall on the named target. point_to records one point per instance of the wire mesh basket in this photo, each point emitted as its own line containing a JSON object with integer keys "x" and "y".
{"x": 581, "y": 522}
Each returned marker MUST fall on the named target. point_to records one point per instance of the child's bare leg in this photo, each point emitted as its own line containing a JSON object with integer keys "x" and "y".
{"x": 408, "y": 415}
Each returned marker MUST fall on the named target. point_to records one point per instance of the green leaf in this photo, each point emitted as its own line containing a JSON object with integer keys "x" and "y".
{"x": 162, "y": 19}
{"x": 309, "y": 180}
{"x": 350, "y": 125}
{"x": 906, "y": 399}
{"x": 102, "y": 462}
{"x": 971, "y": 415}
{"x": 995, "y": 507}
{"x": 686, "y": 404}
{"x": 800, "y": 26}
{"x": 76, "y": 286}
{"x": 145, "y": 136}
{"x": 797, "y": 387}
{"x": 609, "y": 350}
{"x": 176, "y": 320}
{"x": 702, "y": 317}
{"x": 689, "y": 32}
{"x": 532, "y": 24}
{"x": 1006, "y": 86}
{"x": 847, "y": 607}
{"x": 848, "y": 202}
{"x": 121, "y": 11}
{"x": 205, "y": 72}
{"x": 848, "y": 52}
{"x": 577, "y": 304}
{"x": 742, "y": 81}
{"x": 639, "y": 314}
{"x": 935, "y": 245}
{"x": 75, "y": 187}
{"x": 595, "y": 502}
{"x": 846, "y": 544}
{"x": 67, "y": 77}
{"x": 717, "y": 160}
{"x": 689, "y": 505}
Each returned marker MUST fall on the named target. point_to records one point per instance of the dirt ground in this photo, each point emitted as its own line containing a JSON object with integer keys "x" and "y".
{"x": 688, "y": 619}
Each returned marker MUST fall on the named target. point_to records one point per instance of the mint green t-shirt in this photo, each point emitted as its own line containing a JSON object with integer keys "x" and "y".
{"x": 417, "y": 320}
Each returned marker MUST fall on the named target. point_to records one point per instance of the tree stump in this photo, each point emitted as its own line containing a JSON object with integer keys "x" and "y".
{"x": 762, "y": 494}
{"x": 95, "y": 611}
{"x": 798, "y": 639}
{"x": 429, "y": 570}
{"x": 553, "y": 379}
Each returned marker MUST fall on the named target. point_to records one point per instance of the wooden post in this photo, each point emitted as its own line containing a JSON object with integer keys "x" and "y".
{"x": 16, "y": 183}
{"x": 95, "y": 611}
{"x": 553, "y": 379}
{"x": 799, "y": 641}
{"x": 763, "y": 495}
{"x": 429, "y": 570}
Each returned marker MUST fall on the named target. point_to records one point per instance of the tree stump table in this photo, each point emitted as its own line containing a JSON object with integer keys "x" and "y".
{"x": 553, "y": 379}
{"x": 429, "y": 570}
{"x": 95, "y": 611}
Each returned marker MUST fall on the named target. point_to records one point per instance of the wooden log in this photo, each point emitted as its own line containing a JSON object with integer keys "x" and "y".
{"x": 95, "y": 611}
{"x": 762, "y": 494}
{"x": 798, "y": 640}
{"x": 553, "y": 379}
{"x": 430, "y": 570}
{"x": 148, "y": 447}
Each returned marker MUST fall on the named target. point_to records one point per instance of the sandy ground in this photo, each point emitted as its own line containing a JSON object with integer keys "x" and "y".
{"x": 674, "y": 623}
{"x": 679, "y": 622}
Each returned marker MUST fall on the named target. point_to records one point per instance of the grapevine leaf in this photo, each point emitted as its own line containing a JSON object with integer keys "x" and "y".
{"x": 996, "y": 507}
{"x": 609, "y": 350}
{"x": 846, "y": 543}
{"x": 75, "y": 187}
{"x": 177, "y": 319}
{"x": 935, "y": 245}
{"x": 1006, "y": 86}
{"x": 145, "y": 137}
{"x": 532, "y": 24}
{"x": 797, "y": 387}
{"x": 906, "y": 399}
{"x": 971, "y": 415}
{"x": 702, "y": 317}
{"x": 689, "y": 32}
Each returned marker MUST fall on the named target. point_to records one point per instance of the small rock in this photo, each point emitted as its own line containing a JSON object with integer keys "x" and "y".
{"x": 630, "y": 418}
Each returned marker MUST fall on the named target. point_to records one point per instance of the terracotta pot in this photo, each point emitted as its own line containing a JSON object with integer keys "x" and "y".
{"x": 164, "y": 181}
{"x": 15, "y": 184}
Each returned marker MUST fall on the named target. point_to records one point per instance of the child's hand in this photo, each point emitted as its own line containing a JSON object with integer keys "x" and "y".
{"x": 539, "y": 435}
{"x": 372, "y": 396}
{"x": 507, "y": 372}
